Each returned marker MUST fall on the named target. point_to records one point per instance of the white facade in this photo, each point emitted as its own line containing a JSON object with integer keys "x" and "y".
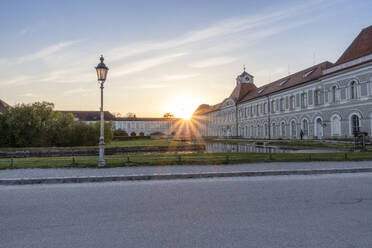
{"x": 323, "y": 101}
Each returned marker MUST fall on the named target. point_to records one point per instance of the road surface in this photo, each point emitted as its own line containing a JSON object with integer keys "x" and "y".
{"x": 283, "y": 211}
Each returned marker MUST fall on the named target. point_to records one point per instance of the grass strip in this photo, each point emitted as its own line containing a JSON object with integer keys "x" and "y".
{"x": 178, "y": 159}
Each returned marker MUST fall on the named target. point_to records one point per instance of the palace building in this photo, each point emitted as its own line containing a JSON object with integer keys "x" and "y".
{"x": 135, "y": 126}
{"x": 327, "y": 100}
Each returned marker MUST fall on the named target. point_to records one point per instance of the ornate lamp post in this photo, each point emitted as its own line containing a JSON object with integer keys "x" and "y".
{"x": 101, "y": 76}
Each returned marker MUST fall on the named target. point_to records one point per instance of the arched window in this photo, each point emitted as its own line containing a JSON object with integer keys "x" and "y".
{"x": 305, "y": 127}
{"x": 273, "y": 130}
{"x": 336, "y": 125}
{"x": 282, "y": 127}
{"x": 265, "y": 129}
{"x": 353, "y": 90}
{"x": 259, "y": 130}
{"x": 293, "y": 128}
{"x": 355, "y": 123}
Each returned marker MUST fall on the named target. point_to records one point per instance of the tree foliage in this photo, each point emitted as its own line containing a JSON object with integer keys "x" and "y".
{"x": 38, "y": 125}
{"x": 168, "y": 115}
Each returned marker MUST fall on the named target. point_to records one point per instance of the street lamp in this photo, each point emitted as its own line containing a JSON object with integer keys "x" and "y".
{"x": 101, "y": 76}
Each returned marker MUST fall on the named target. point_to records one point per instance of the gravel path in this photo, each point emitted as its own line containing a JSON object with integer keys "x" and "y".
{"x": 149, "y": 170}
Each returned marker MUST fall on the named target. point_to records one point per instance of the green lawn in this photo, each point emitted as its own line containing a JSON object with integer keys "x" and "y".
{"x": 178, "y": 159}
{"x": 114, "y": 143}
{"x": 146, "y": 142}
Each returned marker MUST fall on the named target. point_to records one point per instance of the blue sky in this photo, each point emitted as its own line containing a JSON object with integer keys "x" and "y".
{"x": 163, "y": 55}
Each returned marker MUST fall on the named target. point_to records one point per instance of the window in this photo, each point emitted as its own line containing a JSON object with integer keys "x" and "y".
{"x": 317, "y": 97}
{"x": 258, "y": 130}
{"x": 292, "y": 102}
{"x": 281, "y": 104}
{"x": 336, "y": 125}
{"x": 293, "y": 128}
{"x": 251, "y": 110}
{"x": 303, "y": 100}
{"x": 283, "y": 82}
{"x": 257, "y": 113}
{"x": 353, "y": 90}
{"x": 265, "y": 129}
{"x": 308, "y": 73}
{"x": 265, "y": 108}
{"x": 282, "y": 126}
{"x": 272, "y": 106}
{"x": 273, "y": 130}
{"x": 334, "y": 88}
{"x": 305, "y": 127}
{"x": 355, "y": 124}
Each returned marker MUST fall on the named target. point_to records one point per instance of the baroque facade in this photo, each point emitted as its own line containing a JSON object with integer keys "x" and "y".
{"x": 137, "y": 126}
{"x": 328, "y": 100}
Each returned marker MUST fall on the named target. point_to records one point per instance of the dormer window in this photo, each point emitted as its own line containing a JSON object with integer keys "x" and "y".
{"x": 308, "y": 73}
{"x": 283, "y": 82}
{"x": 261, "y": 90}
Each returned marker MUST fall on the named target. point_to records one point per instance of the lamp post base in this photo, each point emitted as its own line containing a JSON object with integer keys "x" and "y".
{"x": 101, "y": 160}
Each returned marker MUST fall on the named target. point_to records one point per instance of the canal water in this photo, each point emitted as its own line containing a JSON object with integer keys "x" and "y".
{"x": 213, "y": 147}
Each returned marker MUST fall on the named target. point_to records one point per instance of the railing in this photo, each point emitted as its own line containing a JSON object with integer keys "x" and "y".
{"x": 177, "y": 159}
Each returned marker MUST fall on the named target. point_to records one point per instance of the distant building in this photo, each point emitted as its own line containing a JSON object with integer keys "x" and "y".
{"x": 133, "y": 125}
{"x": 3, "y": 105}
{"x": 323, "y": 101}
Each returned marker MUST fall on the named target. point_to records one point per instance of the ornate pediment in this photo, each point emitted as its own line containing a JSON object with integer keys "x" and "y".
{"x": 228, "y": 102}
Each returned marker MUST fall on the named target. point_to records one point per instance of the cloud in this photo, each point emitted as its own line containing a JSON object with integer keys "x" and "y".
{"x": 153, "y": 86}
{"x": 177, "y": 77}
{"x": 142, "y": 65}
{"x": 216, "y": 61}
{"x": 222, "y": 28}
{"x": 80, "y": 91}
{"x": 43, "y": 53}
{"x": 30, "y": 95}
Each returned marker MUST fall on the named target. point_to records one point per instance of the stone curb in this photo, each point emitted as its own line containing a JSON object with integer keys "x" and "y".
{"x": 59, "y": 180}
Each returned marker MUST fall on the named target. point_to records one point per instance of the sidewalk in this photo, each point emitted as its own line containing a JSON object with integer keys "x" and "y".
{"x": 71, "y": 175}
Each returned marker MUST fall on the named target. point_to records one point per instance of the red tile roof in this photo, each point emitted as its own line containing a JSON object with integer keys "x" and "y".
{"x": 146, "y": 119}
{"x": 241, "y": 90}
{"x": 360, "y": 47}
{"x": 89, "y": 115}
{"x": 295, "y": 79}
{"x": 95, "y": 116}
{"x": 3, "y": 105}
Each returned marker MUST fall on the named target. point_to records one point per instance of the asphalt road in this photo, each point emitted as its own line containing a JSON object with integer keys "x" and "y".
{"x": 282, "y": 211}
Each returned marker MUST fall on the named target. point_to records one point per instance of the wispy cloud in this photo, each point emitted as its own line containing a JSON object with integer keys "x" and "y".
{"x": 216, "y": 61}
{"x": 177, "y": 77}
{"x": 42, "y": 53}
{"x": 46, "y": 51}
{"x": 30, "y": 95}
{"x": 153, "y": 86}
{"x": 222, "y": 28}
{"x": 80, "y": 91}
{"x": 141, "y": 65}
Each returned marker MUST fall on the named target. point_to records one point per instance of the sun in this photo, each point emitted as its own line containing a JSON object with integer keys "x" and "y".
{"x": 183, "y": 106}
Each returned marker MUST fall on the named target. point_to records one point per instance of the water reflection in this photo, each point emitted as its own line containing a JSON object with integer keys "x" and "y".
{"x": 242, "y": 147}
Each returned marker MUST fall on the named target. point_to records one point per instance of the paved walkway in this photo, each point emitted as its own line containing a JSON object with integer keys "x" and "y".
{"x": 177, "y": 169}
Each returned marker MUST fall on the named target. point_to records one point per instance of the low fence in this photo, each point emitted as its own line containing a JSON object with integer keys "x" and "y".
{"x": 94, "y": 151}
{"x": 178, "y": 159}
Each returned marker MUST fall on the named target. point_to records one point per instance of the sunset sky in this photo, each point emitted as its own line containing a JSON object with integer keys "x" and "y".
{"x": 164, "y": 56}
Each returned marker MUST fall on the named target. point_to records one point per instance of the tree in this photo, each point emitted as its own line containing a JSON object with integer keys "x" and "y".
{"x": 168, "y": 115}
{"x": 131, "y": 115}
{"x": 38, "y": 125}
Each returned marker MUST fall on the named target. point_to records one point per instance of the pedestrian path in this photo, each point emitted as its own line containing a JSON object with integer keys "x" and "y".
{"x": 178, "y": 169}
